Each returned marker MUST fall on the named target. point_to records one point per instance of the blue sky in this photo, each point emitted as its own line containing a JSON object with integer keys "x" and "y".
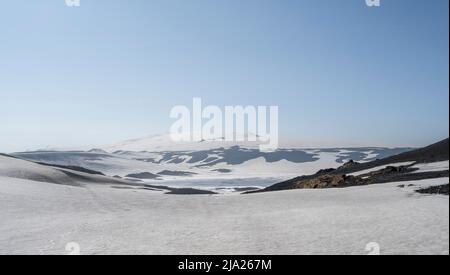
{"x": 111, "y": 69}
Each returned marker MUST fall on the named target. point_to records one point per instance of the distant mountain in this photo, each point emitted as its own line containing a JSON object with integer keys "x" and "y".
{"x": 164, "y": 142}
{"x": 229, "y": 162}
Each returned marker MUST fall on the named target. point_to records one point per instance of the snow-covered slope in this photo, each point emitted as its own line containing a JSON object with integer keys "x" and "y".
{"x": 116, "y": 217}
{"x": 431, "y": 167}
{"x": 40, "y": 218}
{"x": 14, "y": 168}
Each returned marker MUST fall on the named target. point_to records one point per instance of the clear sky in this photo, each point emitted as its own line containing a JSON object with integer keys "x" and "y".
{"x": 112, "y": 69}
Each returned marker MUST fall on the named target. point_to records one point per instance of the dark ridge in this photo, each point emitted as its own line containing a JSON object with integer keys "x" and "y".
{"x": 438, "y": 190}
{"x": 68, "y": 167}
{"x": 189, "y": 191}
{"x": 433, "y": 153}
{"x": 245, "y": 189}
{"x": 88, "y": 178}
{"x": 178, "y": 191}
{"x": 223, "y": 171}
{"x": 143, "y": 176}
{"x": 73, "y": 168}
{"x": 176, "y": 173}
{"x": 8, "y": 156}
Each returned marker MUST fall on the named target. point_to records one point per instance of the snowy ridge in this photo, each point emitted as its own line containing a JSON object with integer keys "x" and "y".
{"x": 158, "y": 143}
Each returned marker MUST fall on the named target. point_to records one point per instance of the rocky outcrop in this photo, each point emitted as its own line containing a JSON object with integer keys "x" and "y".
{"x": 349, "y": 164}
{"x": 329, "y": 181}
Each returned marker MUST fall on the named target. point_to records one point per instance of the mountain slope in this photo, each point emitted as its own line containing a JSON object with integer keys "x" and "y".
{"x": 433, "y": 153}
{"x": 400, "y": 167}
{"x": 11, "y": 167}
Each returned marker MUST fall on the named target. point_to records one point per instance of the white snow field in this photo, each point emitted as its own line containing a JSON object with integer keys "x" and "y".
{"x": 41, "y": 218}
{"x": 431, "y": 167}
{"x": 367, "y": 171}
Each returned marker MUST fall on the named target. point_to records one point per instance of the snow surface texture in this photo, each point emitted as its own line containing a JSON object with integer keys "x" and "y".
{"x": 431, "y": 167}
{"x": 41, "y": 218}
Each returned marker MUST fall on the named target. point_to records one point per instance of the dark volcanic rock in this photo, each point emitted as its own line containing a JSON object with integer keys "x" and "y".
{"x": 329, "y": 181}
{"x": 143, "y": 176}
{"x": 440, "y": 190}
{"x": 349, "y": 164}
{"x": 180, "y": 191}
{"x": 189, "y": 191}
{"x": 166, "y": 189}
{"x": 325, "y": 171}
{"x": 176, "y": 173}
{"x": 246, "y": 189}
{"x": 224, "y": 171}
